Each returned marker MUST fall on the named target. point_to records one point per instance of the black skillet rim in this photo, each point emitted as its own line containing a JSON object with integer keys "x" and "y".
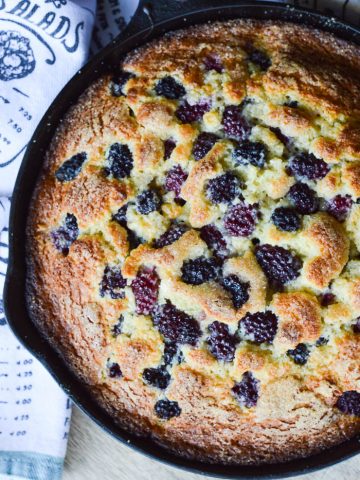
{"x": 14, "y": 293}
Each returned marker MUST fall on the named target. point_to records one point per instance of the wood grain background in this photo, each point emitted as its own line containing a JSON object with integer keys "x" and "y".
{"x": 94, "y": 455}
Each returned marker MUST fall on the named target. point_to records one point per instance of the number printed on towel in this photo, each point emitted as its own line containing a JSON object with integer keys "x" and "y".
{"x": 15, "y": 125}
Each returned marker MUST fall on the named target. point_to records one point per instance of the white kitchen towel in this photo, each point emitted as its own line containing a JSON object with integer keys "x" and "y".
{"x": 111, "y": 18}
{"x": 4, "y": 211}
{"x": 42, "y": 45}
{"x": 34, "y": 412}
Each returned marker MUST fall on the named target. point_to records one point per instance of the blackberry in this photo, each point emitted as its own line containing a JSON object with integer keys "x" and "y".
{"x": 300, "y": 354}
{"x": 223, "y": 189}
{"x": 116, "y": 329}
{"x": 157, "y": 377}
{"x": 120, "y": 216}
{"x": 246, "y": 392}
{"x": 286, "y": 219}
{"x": 321, "y": 341}
{"x": 339, "y": 207}
{"x": 171, "y": 350}
{"x": 169, "y": 146}
{"x": 175, "y": 325}
{"x": 187, "y": 113}
{"x": 303, "y": 198}
{"x": 180, "y": 357}
{"x": 66, "y": 234}
{"x": 306, "y": 165}
{"x": 165, "y": 409}
{"x": 234, "y": 124}
{"x": 280, "y": 136}
{"x": 112, "y": 283}
{"x": 180, "y": 201}
{"x": 114, "y": 370}
{"x": 169, "y": 88}
{"x": 148, "y": 201}
{"x": 291, "y": 104}
{"x": 133, "y": 240}
{"x": 327, "y": 299}
{"x": 175, "y": 179}
{"x": 118, "y": 83}
{"x": 259, "y": 58}
{"x": 240, "y": 220}
{"x": 279, "y": 265}
{"x": 356, "y": 326}
{"x": 259, "y": 327}
{"x": 221, "y": 343}
{"x": 237, "y": 288}
{"x": 145, "y": 288}
{"x": 120, "y": 161}
{"x": 200, "y": 270}
{"x": 349, "y": 403}
{"x": 213, "y": 62}
{"x": 247, "y": 152}
{"x": 175, "y": 231}
{"x": 71, "y": 168}
{"x": 214, "y": 240}
{"x": 203, "y": 144}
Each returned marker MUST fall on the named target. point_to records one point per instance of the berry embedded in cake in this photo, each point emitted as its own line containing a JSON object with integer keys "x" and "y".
{"x": 194, "y": 242}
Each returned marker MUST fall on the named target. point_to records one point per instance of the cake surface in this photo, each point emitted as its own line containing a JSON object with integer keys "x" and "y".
{"x": 194, "y": 242}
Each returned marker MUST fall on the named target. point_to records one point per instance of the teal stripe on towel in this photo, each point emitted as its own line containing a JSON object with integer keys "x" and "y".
{"x": 32, "y": 466}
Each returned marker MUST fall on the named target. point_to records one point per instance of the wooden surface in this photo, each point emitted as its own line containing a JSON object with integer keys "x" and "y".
{"x": 94, "y": 455}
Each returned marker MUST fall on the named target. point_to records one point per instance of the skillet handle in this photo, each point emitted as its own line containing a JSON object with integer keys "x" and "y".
{"x": 151, "y": 12}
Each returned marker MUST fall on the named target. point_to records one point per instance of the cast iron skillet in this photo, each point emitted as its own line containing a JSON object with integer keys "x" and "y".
{"x": 151, "y": 20}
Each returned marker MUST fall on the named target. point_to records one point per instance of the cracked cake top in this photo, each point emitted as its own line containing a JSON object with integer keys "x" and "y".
{"x": 194, "y": 241}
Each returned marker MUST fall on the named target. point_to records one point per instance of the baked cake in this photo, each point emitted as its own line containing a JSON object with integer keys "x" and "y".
{"x": 194, "y": 240}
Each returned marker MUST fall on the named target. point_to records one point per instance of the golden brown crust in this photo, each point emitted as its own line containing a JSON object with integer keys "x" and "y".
{"x": 332, "y": 250}
{"x": 299, "y": 318}
{"x": 310, "y": 93}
